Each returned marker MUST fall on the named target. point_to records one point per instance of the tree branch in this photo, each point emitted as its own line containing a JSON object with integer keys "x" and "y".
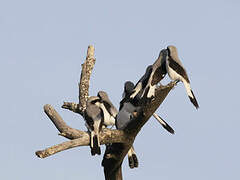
{"x": 106, "y": 136}
{"x": 62, "y": 127}
{"x": 117, "y": 142}
{"x": 74, "y": 107}
{"x": 87, "y": 67}
{"x": 79, "y": 138}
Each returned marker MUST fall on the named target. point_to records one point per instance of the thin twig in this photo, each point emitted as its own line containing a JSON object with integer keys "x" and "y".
{"x": 71, "y": 106}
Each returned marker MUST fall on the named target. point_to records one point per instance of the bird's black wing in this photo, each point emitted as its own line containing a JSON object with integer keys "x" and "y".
{"x": 178, "y": 68}
{"x": 110, "y": 108}
{"x": 159, "y": 74}
{"x": 146, "y": 78}
{"x": 88, "y": 120}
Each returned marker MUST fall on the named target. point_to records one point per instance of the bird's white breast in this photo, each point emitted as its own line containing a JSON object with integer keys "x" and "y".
{"x": 108, "y": 119}
{"x": 171, "y": 73}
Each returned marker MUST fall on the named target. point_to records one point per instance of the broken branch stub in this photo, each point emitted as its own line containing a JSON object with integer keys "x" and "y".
{"x": 117, "y": 142}
{"x": 87, "y": 68}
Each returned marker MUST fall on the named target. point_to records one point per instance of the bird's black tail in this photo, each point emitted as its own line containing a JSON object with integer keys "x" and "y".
{"x": 168, "y": 128}
{"x": 164, "y": 124}
{"x": 95, "y": 149}
{"x": 133, "y": 161}
{"x": 194, "y": 100}
{"x": 190, "y": 94}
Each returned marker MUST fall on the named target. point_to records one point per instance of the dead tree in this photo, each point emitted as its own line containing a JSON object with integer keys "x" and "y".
{"x": 118, "y": 141}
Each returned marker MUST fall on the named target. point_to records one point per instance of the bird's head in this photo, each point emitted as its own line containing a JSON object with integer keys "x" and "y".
{"x": 93, "y": 99}
{"x": 102, "y": 95}
{"x": 128, "y": 87}
{"x": 149, "y": 69}
{"x": 172, "y": 51}
{"x": 163, "y": 55}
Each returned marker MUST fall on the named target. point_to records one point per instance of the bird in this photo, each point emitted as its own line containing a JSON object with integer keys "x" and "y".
{"x": 109, "y": 114}
{"x": 121, "y": 122}
{"x": 109, "y": 110}
{"x": 154, "y": 74}
{"x": 93, "y": 116}
{"x": 177, "y": 72}
{"x": 127, "y": 106}
{"x": 128, "y": 89}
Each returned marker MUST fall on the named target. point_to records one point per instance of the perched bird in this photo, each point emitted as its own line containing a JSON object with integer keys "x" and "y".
{"x": 159, "y": 67}
{"x": 94, "y": 119}
{"x": 109, "y": 110}
{"x": 154, "y": 74}
{"x": 127, "y": 106}
{"x": 110, "y": 113}
{"x": 177, "y": 72}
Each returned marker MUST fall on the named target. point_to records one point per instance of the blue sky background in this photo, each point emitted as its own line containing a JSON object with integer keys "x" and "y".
{"x": 43, "y": 43}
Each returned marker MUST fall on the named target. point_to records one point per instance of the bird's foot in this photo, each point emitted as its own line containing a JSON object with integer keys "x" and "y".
{"x": 132, "y": 96}
{"x": 176, "y": 81}
{"x": 150, "y": 99}
{"x": 159, "y": 84}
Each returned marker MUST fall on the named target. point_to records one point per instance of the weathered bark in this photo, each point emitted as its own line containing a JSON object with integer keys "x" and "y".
{"x": 87, "y": 67}
{"x": 117, "y": 142}
{"x": 62, "y": 127}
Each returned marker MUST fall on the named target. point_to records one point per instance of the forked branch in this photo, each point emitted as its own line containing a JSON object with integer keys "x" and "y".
{"x": 118, "y": 141}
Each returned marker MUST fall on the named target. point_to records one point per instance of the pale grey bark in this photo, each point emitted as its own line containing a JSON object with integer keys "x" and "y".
{"x": 118, "y": 141}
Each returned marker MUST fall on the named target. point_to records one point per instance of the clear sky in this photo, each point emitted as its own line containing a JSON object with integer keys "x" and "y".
{"x": 43, "y": 43}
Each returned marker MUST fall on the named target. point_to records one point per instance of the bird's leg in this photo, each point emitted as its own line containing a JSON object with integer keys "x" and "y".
{"x": 91, "y": 139}
{"x": 104, "y": 126}
{"x": 111, "y": 126}
{"x": 98, "y": 140}
{"x": 176, "y": 81}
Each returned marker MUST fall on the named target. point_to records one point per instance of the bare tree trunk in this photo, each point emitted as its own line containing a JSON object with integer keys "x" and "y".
{"x": 117, "y": 142}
